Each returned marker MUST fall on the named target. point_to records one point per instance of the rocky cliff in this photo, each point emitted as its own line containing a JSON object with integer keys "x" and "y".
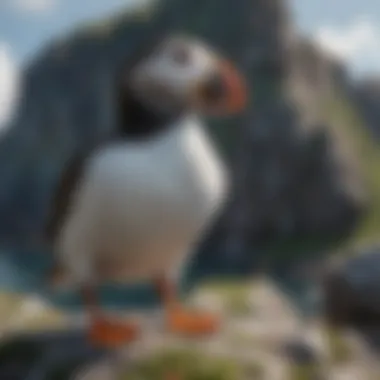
{"x": 296, "y": 174}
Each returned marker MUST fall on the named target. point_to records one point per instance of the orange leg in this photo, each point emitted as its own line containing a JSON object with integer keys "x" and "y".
{"x": 103, "y": 332}
{"x": 182, "y": 321}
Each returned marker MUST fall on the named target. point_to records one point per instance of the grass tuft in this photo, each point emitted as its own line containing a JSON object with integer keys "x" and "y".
{"x": 235, "y": 295}
{"x": 184, "y": 365}
{"x": 340, "y": 350}
{"x": 302, "y": 372}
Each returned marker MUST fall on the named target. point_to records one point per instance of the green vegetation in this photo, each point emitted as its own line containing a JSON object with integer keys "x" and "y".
{"x": 9, "y": 305}
{"x": 240, "y": 339}
{"x": 340, "y": 350}
{"x": 367, "y": 151}
{"x": 302, "y": 372}
{"x": 254, "y": 371}
{"x": 15, "y": 317}
{"x": 184, "y": 365}
{"x": 235, "y": 295}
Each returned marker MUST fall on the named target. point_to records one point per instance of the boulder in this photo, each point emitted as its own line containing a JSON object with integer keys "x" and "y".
{"x": 351, "y": 291}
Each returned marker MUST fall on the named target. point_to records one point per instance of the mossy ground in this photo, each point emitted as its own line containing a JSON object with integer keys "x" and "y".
{"x": 235, "y": 295}
{"x": 340, "y": 350}
{"x": 173, "y": 360}
{"x": 184, "y": 365}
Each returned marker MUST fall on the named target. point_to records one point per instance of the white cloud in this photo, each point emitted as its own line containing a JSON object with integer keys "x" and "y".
{"x": 36, "y": 6}
{"x": 9, "y": 84}
{"x": 357, "y": 43}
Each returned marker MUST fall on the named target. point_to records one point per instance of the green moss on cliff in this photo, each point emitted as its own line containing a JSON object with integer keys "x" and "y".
{"x": 184, "y": 365}
{"x": 367, "y": 151}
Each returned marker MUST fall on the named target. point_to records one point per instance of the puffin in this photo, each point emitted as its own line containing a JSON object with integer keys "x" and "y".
{"x": 133, "y": 207}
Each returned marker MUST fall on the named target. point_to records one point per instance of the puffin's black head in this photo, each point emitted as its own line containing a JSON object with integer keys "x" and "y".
{"x": 177, "y": 76}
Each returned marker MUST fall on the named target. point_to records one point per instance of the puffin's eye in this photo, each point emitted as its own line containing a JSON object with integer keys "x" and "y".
{"x": 181, "y": 55}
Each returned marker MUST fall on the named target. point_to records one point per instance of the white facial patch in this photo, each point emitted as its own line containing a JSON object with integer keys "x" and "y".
{"x": 175, "y": 68}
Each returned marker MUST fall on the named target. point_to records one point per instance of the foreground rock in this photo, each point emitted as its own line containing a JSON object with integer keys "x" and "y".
{"x": 352, "y": 288}
{"x": 351, "y": 294}
{"x": 251, "y": 345}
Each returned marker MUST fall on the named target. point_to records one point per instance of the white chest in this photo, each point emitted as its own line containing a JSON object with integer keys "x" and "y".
{"x": 175, "y": 182}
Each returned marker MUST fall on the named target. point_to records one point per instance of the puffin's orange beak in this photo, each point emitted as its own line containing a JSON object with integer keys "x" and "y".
{"x": 224, "y": 92}
{"x": 236, "y": 92}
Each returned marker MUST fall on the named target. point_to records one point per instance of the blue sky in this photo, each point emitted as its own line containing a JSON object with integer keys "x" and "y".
{"x": 348, "y": 28}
